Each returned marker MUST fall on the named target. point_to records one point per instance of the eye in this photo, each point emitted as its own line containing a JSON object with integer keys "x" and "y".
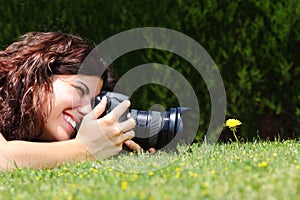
{"x": 80, "y": 90}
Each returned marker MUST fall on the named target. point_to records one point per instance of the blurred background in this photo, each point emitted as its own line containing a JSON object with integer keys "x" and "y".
{"x": 255, "y": 45}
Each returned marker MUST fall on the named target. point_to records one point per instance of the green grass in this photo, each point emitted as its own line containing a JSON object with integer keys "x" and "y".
{"x": 254, "y": 170}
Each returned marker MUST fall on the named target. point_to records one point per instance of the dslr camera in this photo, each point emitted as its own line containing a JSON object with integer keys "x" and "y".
{"x": 153, "y": 128}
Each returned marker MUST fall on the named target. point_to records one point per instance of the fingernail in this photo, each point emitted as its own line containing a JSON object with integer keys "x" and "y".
{"x": 127, "y": 102}
{"x": 128, "y": 142}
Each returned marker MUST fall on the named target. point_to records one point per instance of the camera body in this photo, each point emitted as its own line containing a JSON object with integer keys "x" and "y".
{"x": 153, "y": 128}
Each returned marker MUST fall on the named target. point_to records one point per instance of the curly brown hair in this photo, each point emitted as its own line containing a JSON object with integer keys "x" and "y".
{"x": 26, "y": 70}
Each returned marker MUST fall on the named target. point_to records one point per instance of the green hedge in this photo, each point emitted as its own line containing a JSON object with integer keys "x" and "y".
{"x": 255, "y": 44}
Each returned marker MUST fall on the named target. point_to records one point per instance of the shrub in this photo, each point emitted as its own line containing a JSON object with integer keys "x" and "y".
{"x": 255, "y": 45}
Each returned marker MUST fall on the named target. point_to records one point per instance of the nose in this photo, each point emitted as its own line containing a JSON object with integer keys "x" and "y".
{"x": 84, "y": 109}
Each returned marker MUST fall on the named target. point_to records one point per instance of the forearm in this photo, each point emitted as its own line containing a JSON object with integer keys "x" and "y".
{"x": 41, "y": 155}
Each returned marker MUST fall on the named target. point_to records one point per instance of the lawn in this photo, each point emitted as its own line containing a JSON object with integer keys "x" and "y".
{"x": 250, "y": 170}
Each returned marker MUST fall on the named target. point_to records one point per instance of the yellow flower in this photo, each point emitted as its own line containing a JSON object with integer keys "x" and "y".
{"x": 263, "y": 164}
{"x": 124, "y": 185}
{"x": 232, "y": 123}
{"x": 150, "y": 174}
{"x": 177, "y": 174}
{"x": 204, "y": 184}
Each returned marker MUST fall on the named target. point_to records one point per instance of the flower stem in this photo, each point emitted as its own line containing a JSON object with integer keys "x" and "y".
{"x": 235, "y": 137}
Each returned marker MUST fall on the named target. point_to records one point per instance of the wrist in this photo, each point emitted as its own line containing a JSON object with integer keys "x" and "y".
{"x": 84, "y": 154}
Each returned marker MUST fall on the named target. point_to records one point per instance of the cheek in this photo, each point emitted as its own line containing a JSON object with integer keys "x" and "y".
{"x": 53, "y": 107}
{"x": 64, "y": 97}
{"x": 63, "y": 93}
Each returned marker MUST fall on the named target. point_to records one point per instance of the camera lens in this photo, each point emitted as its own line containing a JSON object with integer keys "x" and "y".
{"x": 157, "y": 129}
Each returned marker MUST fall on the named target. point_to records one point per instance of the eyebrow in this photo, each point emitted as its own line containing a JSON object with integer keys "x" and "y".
{"x": 86, "y": 87}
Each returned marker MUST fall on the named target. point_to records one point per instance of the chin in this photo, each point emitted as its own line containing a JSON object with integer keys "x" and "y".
{"x": 63, "y": 136}
{"x": 56, "y": 135}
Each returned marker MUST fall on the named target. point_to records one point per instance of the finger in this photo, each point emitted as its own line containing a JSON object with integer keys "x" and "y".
{"x": 118, "y": 111}
{"x": 133, "y": 146}
{"x": 126, "y": 136}
{"x": 98, "y": 110}
{"x": 152, "y": 150}
{"x": 126, "y": 125}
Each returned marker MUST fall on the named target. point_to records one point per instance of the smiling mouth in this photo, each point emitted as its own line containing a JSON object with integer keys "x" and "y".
{"x": 70, "y": 121}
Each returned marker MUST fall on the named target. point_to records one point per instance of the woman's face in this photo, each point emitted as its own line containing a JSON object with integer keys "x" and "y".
{"x": 72, "y": 100}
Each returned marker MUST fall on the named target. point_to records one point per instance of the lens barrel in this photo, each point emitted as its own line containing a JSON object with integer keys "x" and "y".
{"x": 157, "y": 129}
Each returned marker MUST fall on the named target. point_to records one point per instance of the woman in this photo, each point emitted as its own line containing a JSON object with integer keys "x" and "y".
{"x": 43, "y": 96}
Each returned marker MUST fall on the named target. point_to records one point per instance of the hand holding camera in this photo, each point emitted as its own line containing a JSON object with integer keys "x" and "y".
{"x": 103, "y": 137}
{"x": 154, "y": 129}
